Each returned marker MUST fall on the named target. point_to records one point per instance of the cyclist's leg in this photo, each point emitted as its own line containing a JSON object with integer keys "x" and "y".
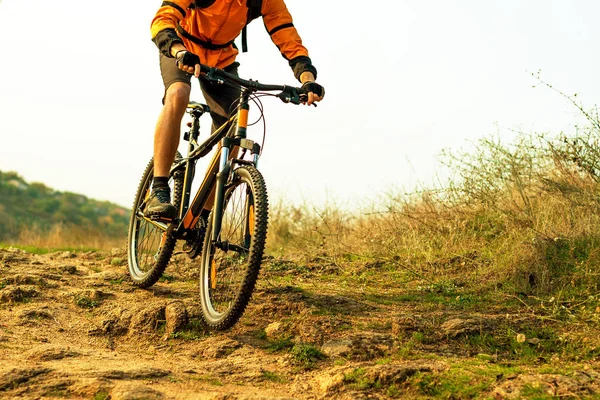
{"x": 220, "y": 98}
{"x": 175, "y": 100}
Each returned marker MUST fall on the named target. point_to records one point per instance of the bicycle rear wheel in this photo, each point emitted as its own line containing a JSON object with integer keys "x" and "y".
{"x": 230, "y": 267}
{"x": 149, "y": 248}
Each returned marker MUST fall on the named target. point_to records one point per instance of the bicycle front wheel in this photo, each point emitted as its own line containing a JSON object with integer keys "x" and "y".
{"x": 230, "y": 266}
{"x": 149, "y": 248}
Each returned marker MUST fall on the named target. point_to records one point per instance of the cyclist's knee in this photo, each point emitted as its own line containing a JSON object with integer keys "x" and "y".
{"x": 178, "y": 95}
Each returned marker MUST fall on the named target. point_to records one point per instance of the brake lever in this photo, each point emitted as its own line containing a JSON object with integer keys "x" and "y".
{"x": 289, "y": 95}
{"x": 292, "y": 96}
{"x": 211, "y": 76}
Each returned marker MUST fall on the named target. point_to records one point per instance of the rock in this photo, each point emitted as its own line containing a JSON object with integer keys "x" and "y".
{"x": 274, "y": 330}
{"x": 313, "y": 330}
{"x": 142, "y": 373}
{"x": 386, "y": 375}
{"x": 67, "y": 269}
{"x": 337, "y": 348}
{"x": 51, "y": 353}
{"x": 456, "y": 327}
{"x": 90, "y": 388}
{"x": 147, "y": 320}
{"x": 221, "y": 349}
{"x": 25, "y": 279}
{"x": 115, "y": 322}
{"x": 65, "y": 255}
{"x": 92, "y": 294}
{"x": 14, "y": 255}
{"x": 108, "y": 276}
{"x": 16, "y": 376}
{"x": 17, "y": 293}
{"x": 176, "y": 317}
{"x": 57, "y": 387}
{"x": 14, "y": 250}
{"x": 135, "y": 392}
{"x": 333, "y": 381}
{"x": 403, "y": 324}
{"x": 580, "y": 385}
{"x": 35, "y": 314}
{"x": 118, "y": 252}
{"x": 369, "y": 346}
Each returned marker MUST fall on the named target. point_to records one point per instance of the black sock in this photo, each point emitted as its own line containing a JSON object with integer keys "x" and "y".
{"x": 160, "y": 182}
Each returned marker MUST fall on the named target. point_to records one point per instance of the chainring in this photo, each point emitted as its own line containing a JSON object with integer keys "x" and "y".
{"x": 193, "y": 245}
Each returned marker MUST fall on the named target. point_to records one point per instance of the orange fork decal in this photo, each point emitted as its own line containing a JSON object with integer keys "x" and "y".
{"x": 251, "y": 220}
{"x": 213, "y": 274}
{"x": 243, "y": 118}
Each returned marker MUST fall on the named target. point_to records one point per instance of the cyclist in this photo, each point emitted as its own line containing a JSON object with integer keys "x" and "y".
{"x": 191, "y": 32}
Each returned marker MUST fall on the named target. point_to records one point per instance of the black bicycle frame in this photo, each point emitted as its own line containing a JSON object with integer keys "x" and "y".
{"x": 231, "y": 137}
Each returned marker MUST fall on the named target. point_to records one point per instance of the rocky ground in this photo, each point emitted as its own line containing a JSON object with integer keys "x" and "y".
{"x": 73, "y": 326}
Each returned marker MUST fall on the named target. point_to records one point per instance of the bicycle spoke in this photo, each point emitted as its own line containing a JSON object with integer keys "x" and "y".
{"x": 149, "y": 248}
{"x": 228, "y": 267}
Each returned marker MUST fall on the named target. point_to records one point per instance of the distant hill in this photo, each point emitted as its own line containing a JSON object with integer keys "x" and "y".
{"x": 23, "y": 205}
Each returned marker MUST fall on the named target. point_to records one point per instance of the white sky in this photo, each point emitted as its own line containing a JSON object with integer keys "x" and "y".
{"x": 80, "y": 89}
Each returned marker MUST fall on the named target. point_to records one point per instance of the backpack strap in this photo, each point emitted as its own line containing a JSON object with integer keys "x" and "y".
{"x": 254, "y": 8}
{"x": 201, "y": 4}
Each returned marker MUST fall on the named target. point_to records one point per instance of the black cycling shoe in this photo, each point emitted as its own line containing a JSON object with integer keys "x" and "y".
{"x": 159, "y": 206}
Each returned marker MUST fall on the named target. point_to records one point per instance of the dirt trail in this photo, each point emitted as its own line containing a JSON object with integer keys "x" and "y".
{"x": 72, "y": 326}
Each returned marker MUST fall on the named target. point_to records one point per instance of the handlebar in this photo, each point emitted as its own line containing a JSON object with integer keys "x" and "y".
{"x": 289, "y": 94}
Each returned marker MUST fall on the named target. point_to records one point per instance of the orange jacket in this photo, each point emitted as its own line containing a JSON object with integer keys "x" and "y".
{"x": 209, "y": 29}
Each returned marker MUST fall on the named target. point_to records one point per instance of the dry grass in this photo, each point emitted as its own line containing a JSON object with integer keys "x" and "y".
{"x": 69, "y": 237}
{"x": 516, "y": 219}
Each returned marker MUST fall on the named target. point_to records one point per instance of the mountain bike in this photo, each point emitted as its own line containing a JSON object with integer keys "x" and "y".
{"x": 230, "y": 238}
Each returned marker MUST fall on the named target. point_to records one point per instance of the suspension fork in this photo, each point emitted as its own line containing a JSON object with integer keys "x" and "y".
{"x": 225, "y": 165}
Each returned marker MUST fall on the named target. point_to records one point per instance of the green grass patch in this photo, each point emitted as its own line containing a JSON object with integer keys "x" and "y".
{"x": 461, "y": 381}
{"x": 211, "y": 380}
{"x": 86, "y": 302}
{"x": 358, "y": 380}
{"x": 306, "y": 356}
{"x": 460, "y": 300}
{"x": 530, "y": 391}
{"x": 117, "y": 261}
{"x": 194, "y": 330}
{"x": 276, "y": 345}
{"x": 188, "y": 335}
{"x": 101, "y": 395}
{"x": 46, "y": 250}
{"x": 273, "y": 377}
{"x": 166, "y": 278}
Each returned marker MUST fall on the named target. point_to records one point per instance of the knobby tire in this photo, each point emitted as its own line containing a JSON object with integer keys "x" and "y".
{"x": 146, "y": 270}
{"x": 247, "y": 264}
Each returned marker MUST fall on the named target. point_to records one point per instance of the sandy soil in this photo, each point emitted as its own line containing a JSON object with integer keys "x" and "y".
{"x": 73, "y": 326}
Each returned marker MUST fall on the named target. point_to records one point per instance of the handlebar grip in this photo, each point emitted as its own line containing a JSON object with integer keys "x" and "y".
{"x": 204, "y": 68}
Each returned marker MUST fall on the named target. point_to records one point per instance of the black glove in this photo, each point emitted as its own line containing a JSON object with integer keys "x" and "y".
{"x": 186, "y": 58}
{"x": 314, "y": 87}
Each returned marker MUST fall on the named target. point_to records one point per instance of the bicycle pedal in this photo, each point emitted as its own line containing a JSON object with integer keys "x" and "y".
{"x": 159, "y": 218}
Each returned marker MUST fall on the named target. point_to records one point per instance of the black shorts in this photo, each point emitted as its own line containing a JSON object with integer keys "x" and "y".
{"x": 219, "y": 98}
